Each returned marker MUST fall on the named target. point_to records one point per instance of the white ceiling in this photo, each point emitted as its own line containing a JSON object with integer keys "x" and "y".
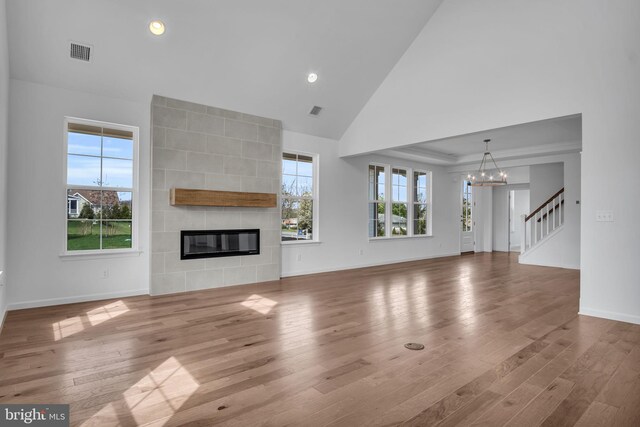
{"x": 246, "y": 55}
{"x": 545, "y": 137}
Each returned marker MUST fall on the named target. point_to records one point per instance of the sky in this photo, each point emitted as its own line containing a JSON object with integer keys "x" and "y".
{"x": 85, "y": 166}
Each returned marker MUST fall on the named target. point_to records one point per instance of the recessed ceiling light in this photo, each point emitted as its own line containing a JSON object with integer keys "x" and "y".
{"x": 312, "y": 77}
{"x": 157, "y": 27}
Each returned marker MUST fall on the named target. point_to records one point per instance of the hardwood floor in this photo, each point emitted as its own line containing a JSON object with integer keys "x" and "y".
{"x": 504, "y": 346}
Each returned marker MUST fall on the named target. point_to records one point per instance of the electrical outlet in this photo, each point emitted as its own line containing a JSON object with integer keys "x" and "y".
{"x": 105, "y": 273}
{"x": 299, "y": 257}
{"x": 361, "y": 251}
{"x": 604, "y": 216}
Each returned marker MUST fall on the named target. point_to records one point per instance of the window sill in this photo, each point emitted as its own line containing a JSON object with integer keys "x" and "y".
{"x": 301, "y": 242}
{"x": 88, "y": 255}
{"x": 378, "y": 239}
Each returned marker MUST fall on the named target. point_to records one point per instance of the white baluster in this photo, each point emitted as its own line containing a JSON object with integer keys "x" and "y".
{"x": 523, "y": 233}
{"x": 555, "y": 212}
{"x": 548, "y": 219}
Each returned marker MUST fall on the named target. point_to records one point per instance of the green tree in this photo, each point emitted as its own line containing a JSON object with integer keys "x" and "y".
{"x": 87, "y": 212}
{"x": 305, "y": 215}
{"x": 125, "y": 212}
{"x": 114, "y": 212}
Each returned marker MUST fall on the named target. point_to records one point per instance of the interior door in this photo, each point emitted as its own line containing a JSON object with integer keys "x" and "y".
{"x": 467, "y": 239}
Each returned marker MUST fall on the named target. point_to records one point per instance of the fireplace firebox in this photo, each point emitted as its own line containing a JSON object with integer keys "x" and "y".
{"x": 218, "y": 243}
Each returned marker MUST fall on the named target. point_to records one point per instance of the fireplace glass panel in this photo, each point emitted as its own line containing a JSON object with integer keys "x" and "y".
{"x": 219, "y": 243}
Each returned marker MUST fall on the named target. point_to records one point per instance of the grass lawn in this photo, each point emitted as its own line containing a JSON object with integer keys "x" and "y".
{"x": 85, "y": 235}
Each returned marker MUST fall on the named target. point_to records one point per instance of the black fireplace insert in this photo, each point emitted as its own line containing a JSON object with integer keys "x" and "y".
{"x": 218, "y": 243}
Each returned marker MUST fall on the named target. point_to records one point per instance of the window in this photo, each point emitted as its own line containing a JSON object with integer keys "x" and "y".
{"x": 410, "y": 192}
{"x": 467, "y": 203}
{"x": 299, "y": 197}
{"x": 101, "y": 182}
{"x": 420, "y": 202}
{"x": 377, "y": 211}
{"x": 399, "y": 207}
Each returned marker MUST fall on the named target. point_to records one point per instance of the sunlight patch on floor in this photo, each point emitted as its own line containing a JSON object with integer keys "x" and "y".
{"x": 67, "y": 327}
{"x": 106, "y": 312}
{"x": 260, "y": 304}
{"x": 73, "y": 325}
{"x": 155, "y": 398}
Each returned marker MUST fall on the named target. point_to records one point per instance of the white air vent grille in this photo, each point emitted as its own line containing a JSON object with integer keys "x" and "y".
{"x": 315, "y": 110}
{"x": 81, "y": 52}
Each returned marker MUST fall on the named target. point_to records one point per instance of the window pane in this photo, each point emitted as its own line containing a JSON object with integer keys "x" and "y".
{"x": 305, "y": 186}
{"x": 117, "y": 173}
{"x": 376, "y": 219}
{"x": 399, "y": 219}
{"x": 467, "y": 206}
{"x": 305, "y": 220}
{"x": 80, "y": 143}
{"x": 419, "y": 219}
{"x": 305, "y": 166}
{"x": 116, "y": 234}
{"x": 289, "y": 227}
{"x": 117, "y": 147}
{"x": 82, "y": 205}
{"x": 289, "y": 164}
{"x": 399, "y": 180}
{"x": 376, "y": 183}
{"x": 82, "y": 170}
{"x": 420, "y": 187}
{"x": 288, "y": 185}
{"x": 83, "y": 234}
{"x": 126, "y": 207}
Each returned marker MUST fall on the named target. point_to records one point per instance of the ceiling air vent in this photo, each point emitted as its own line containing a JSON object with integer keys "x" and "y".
{"x": 315, "y": 110}
{"x": 81, "y": 52}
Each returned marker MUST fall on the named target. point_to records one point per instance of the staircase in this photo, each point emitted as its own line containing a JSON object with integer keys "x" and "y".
{"x": 541, "y": 224}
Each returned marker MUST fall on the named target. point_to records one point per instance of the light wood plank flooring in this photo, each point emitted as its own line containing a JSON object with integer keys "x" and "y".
{"x": 504, "y": 346}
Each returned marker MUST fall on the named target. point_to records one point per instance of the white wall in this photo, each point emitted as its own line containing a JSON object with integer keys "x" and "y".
{"x": 501, "y": 229}
{"x": 4, "y": 115}
{"x": 520, "y": 201}
{"x": 546, "y": 180}
{"x": 483, "y": 218}
{"x": 501, "y": 219}
{"x": 484, "y": 65}
{"x": 39, "y": 276}
{"x": 343, "y": 215}
{"x": 562, "y": 249}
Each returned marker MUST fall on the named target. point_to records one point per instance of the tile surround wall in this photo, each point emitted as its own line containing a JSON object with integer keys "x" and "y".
{"x": 201, "y": 147}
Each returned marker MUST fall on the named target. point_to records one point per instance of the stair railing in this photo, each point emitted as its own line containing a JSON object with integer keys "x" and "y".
{"x": 542, "y": 221}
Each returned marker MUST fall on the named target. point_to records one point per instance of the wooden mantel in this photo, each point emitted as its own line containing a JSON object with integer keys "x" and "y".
{"x": 188, "y": 197}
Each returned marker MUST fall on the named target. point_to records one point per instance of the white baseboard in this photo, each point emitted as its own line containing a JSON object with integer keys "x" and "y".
{"x": 611, "y": 315}
{"x": 365, "y": 265}
{"x": 71, "y": 300}
{"x": 3, "y": 316}
{"x": 556, "y": 265}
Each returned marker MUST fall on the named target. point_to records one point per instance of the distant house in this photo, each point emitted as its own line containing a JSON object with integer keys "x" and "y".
{"x": 290, "y": 222}
{"x": 76, "y": 199}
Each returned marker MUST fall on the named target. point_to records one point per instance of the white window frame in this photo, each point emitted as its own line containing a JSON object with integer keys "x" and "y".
{"x": 315, "y": 197}
{"x": 428, "y": 202}
{"x": 409, "y": 176}
{"x": 387, "y": 192}
{"x": 388, "y": 209}
{"x": 472, "y": 206}
{"x": 135, "y": 205}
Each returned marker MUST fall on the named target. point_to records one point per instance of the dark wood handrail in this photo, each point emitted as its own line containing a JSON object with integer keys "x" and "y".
{"x": 549, "y": 200}
{"x": 550, "y": 211}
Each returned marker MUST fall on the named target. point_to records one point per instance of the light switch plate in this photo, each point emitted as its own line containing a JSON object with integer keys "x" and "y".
{"x": 604, "y": 216}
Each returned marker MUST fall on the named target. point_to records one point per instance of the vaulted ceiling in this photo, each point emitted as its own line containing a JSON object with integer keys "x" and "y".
{"x": 246, "y": 55}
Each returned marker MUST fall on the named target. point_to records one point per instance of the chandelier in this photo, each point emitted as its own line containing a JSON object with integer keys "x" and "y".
{"x": 487, "y": 176}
